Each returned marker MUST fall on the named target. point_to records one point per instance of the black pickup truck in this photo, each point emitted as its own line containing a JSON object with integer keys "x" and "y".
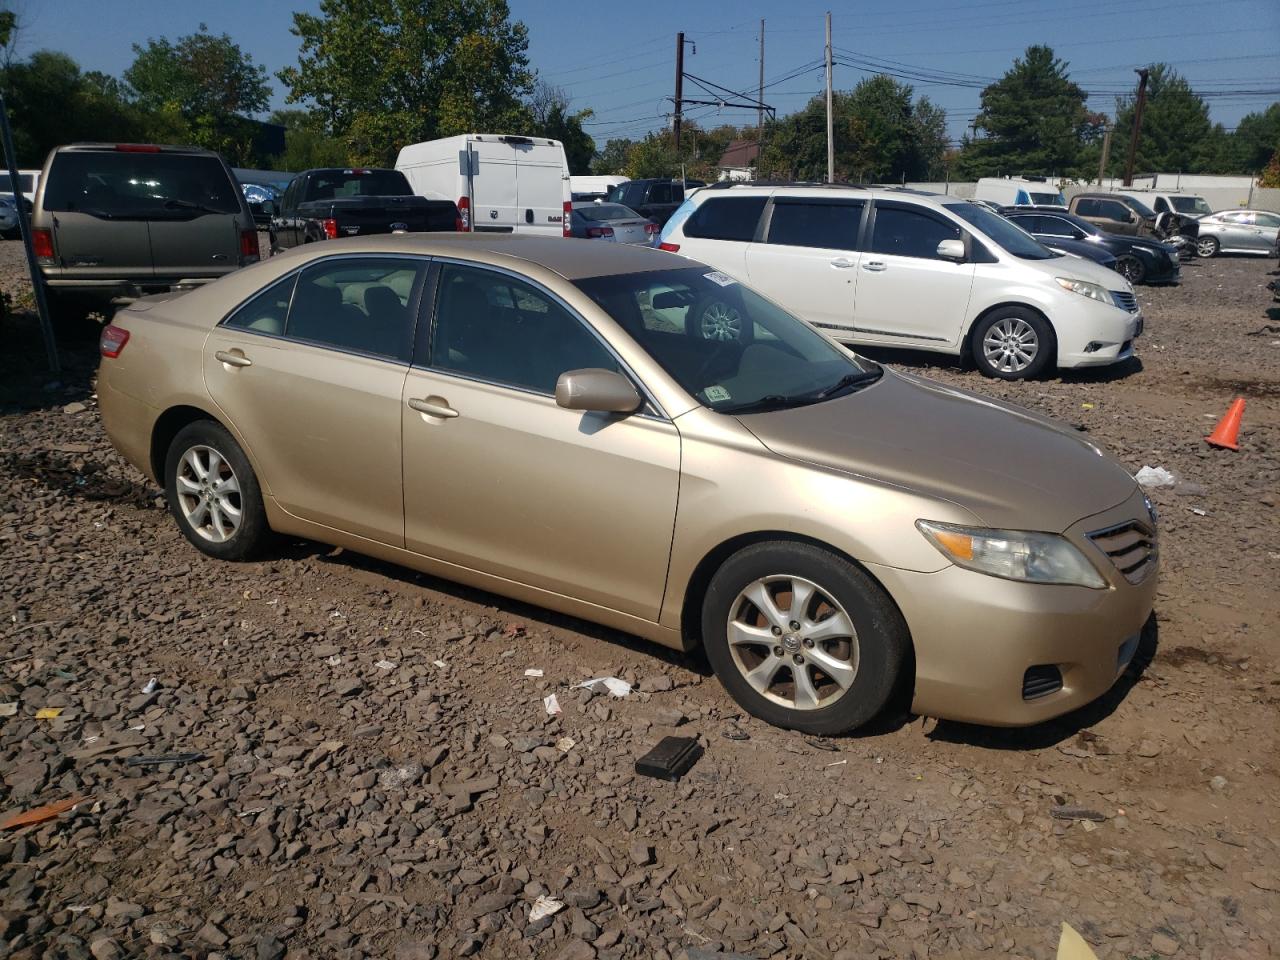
{"x": 330, "y": 203}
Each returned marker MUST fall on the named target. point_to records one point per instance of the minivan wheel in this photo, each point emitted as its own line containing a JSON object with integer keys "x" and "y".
{"x": 1012, "y": 344}
{"x": 1207, "y": 246}
{"x": 213, "y": 493}
{"x": 1132, "y": 269}
{"x": 802, "y": 638}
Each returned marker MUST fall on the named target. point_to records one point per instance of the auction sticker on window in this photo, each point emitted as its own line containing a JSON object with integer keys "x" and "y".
{"x": 723, "y": 279}
{"x": 715, "y": 393}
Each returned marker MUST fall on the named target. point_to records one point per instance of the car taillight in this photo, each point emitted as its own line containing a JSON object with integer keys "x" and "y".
{"x": 42, "y": 243}
{"x": 249, "y": 245}
{"x": 566, "y": 228}
{"x": 600, "y": 232}
{"x": 651, "y": 228}
{"x": 672, "y": 247}
{"x": 112, "y": 341}
{"x": 464, "y": 214}
{"x": 330, "y": 228}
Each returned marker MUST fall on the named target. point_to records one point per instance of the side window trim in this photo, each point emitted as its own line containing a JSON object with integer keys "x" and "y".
{"x": 423, "y": 359}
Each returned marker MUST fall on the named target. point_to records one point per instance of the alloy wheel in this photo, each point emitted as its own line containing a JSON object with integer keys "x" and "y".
{"x": 1011, "y": 345}
{"x": 209, "y": 494}
{"x": 793, "y": 642}
{"x": 1207, "y": 246}
{"x": 719, "y": 321}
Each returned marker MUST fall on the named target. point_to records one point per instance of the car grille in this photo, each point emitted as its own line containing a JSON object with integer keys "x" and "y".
{"x": 1131, "y": 547}
{"x": 1125, "y": 300}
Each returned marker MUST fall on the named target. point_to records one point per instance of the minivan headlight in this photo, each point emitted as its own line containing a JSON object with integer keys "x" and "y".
{"x": 1085, "y": 289}
{"x": 1013, "y": 554}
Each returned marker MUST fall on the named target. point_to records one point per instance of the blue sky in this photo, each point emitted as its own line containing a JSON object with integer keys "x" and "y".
{"x": 618, "y": 58}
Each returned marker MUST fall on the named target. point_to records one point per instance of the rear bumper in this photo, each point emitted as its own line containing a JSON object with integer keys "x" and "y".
{"x": 126, "y": 288}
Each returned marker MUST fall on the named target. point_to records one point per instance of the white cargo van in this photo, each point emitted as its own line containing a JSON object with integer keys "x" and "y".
{"x": 501, "y": 184}
{"x": 1009, "y": 191}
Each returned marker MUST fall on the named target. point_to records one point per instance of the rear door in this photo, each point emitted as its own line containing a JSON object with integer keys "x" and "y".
{"x": 541, "y": 188}
{"x": 98, "y": 220}
{"x": 809, "y": 259}
{"x": 195, "y": 228}
{"x": 720, "y": 230}
{"x": 494, "y": 197}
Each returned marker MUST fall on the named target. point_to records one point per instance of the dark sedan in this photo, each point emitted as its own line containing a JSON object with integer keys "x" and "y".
{"x": 1083, "y": 248}
{"x": 611, "y": 221}
{"x": 1139, "y": 259}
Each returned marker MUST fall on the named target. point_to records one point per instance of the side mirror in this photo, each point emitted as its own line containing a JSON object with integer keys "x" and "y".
{"x": 598, "y": 391}
{"x": 269, "y": 207}
{"x": 1133, "y": 217}
{"x": 951, "y": 250}
{"x": 1078, "y": 235}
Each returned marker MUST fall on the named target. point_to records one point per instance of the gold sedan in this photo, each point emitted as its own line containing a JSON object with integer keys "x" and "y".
{"x": 633, "y": 438}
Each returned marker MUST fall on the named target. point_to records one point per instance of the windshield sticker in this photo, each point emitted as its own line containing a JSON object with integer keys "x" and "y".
{"x": 723, "y": 279}
{"x": 716, "y": 393}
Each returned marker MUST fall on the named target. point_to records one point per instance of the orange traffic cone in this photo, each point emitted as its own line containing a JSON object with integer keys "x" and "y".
{"x": 1228, "y": 428}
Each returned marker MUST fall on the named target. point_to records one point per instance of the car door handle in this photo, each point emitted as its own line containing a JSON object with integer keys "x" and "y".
{"x": 233, "y": 359}
{"x": 842, "y": 263}
{"x": 875, "y": 266}
{"x": 433, "y": 409}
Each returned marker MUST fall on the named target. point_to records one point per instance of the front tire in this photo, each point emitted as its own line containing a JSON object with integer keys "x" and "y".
{"x": 213, "y": 492}
{"x": 1208, "y": 247}
{"x": 1132, "y": 269}
{"x": 802, "y": 638}
{"x": 1013, "y": 343}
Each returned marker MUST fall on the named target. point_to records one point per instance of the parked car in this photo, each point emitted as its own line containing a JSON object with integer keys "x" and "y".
{"x": 655, "y": 199}
{"x": 9, "y": 225}
{"x": 1007, "y": 191}
{"x": 1238, "y": 231}
{"x": 900, "y": 268}
{"x": 612, "y": 222}
{"x": 587, "y": 188}
{"x": 333, "y": 202}
{"x": 1140, "y": 259}
{"x": 1128, "y": 215}
{"x": 1084, "y": 249}
{"x": 262, "y": 199}
{"x": 510, "y": 413}
{"x": 121, "y": 220}
{"x": 502, "y": 184}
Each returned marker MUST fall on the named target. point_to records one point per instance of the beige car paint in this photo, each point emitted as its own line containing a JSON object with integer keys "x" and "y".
{"x": 523, "y": 500}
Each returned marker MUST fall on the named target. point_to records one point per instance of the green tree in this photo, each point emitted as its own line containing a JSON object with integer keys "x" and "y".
{"x": 306, "y": 144}
{"x": 654, "y": 156}
{"x": 1271, "y": 175}
{"x": 1034, "y": 119}
{"x": 204, "y": 85}
{"x": 613, "y": 158}
{"x": 385, "y": 73}
{"x": 551, "y": 118}
{"x": 1177, "y": 134}
{"x": 1256, "y": 140}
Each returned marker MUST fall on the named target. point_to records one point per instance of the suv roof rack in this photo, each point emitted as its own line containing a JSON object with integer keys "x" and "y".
{"x": 727, "y": 184}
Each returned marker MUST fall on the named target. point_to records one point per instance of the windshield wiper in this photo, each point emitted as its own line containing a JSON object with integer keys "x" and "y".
{"x": 774, "y": 401}
{"x": 847, "y": 381}
{"x": 174, "y": 204}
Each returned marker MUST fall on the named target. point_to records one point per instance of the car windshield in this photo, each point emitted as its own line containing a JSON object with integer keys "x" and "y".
{"x": 1012, "y": 238}
{"x": 1192, "y": 205}
{"x": 1048, "y": 199}
{"x": 133, "y": 185}
{"x": 605, "y": 211}
{"x": 726, "y": 345}
{"x": 1141, "y": 209}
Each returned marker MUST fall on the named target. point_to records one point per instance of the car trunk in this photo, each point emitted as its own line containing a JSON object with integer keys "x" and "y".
{"x": 629, "y": 231}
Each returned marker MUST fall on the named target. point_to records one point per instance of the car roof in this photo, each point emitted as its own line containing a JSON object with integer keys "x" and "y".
{"x": 803, "y": 189}
{"x": 570, "y": 258}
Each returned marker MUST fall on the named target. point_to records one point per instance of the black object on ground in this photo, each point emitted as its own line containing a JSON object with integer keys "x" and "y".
{"x": 164, "y": 758}
{"x": 670, "y": 759}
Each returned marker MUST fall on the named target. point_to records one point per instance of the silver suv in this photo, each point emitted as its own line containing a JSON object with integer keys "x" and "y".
{"x": 122, "y": 220}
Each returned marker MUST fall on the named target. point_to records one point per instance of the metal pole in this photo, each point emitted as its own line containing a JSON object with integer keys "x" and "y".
{"x": 1137, "y": 126}
{"x": 760, "y": 95}
{"x": 831, "y": 143}
{"x": 24, "y": 224}
{"x": 675, "y": 126}
{"x": 1106, "y": 154}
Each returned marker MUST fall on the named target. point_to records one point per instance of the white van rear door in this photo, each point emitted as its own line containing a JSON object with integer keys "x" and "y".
{"x": 493, "y": 187}
{"x": 540, "y": 189}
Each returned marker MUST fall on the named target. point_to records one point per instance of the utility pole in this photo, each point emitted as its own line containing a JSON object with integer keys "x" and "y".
{"x": 760, "y": 95}
{"x": 831, "y": 143}
{"x": 675, "y": 126}
{"x": 1106, "y": 153}
{"x": 1137, "y": 126}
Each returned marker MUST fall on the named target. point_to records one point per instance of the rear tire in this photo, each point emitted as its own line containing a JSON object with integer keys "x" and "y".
{"x": 213, "y": 492}
{"x": 1012, "y": 343}
{"x": 837, "y": 671}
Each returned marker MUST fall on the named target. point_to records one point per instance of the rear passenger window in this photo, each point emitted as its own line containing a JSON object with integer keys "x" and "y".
{"x": 905, "y": 233}
{"x": 726, "y": 218}
{"x": 266, "y": 312}
{"x": 831, "y": 226}
{"x": 358, "y": 304}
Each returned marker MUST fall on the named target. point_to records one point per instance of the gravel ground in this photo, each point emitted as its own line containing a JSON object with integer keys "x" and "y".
{"x": 377, "y": 776}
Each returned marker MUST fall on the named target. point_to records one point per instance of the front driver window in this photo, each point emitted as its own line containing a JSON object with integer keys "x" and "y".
{"x": 493, "y": 327}
{"x": 905, "y": 233}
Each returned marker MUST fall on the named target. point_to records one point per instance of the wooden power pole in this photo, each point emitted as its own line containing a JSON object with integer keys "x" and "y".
{"x": 831, "y": 143}
{"x": 1106, "y": 153}
{"x": 760, "y": 95}
{"x": 675, "y": 126}
{"x": 1137, "y": 126}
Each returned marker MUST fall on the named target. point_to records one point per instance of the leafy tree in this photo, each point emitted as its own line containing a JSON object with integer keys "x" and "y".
{"x": 1177, "y": 134}
{"x": 613, "y": 158}
{"x": 306, "y": 144}
{"x": 654, "y": 156}
{"x": 551, "y": 118}
{"x": 203, "y": 84}
{"x": 1034, "y": 118}
{"x": 384, "y": 73}
{"x": 1271, "y": 175}
{"x": 1257, "y": 138}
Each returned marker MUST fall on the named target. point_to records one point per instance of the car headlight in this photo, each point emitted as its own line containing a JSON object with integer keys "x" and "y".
{"x": 1086, "y": 289}
{"x": 1013, "y": 554}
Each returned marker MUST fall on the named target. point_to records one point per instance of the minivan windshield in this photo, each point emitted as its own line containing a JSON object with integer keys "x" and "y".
{"x": 1196, "y": 206}
{"x": 1011, "y": 238}
{"x": 727, "y": 346}
{"x": 126, "y": 185}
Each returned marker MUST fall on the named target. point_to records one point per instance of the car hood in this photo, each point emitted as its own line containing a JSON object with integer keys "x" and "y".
{"x": 1143, "y": 242}
{"x": 1077, "y": 268}
{"x": 1011, "y": 468}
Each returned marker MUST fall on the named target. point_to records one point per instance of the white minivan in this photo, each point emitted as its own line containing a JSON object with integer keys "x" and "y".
{"x": 889, "y": 267}
{"x": 501, "y": 184}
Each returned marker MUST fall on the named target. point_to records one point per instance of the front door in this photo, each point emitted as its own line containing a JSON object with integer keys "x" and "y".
{"x": 315, "y": 389}
{"x": 906, "y": 293}
{"x": 499, "y": 478}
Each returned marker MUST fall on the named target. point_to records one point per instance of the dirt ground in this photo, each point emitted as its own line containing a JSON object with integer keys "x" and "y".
{"x": 378, "y": 778}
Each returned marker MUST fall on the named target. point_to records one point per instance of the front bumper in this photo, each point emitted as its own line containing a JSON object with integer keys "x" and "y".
{"x": 1098, "y": 341}
{"x": 976, "y": 637}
